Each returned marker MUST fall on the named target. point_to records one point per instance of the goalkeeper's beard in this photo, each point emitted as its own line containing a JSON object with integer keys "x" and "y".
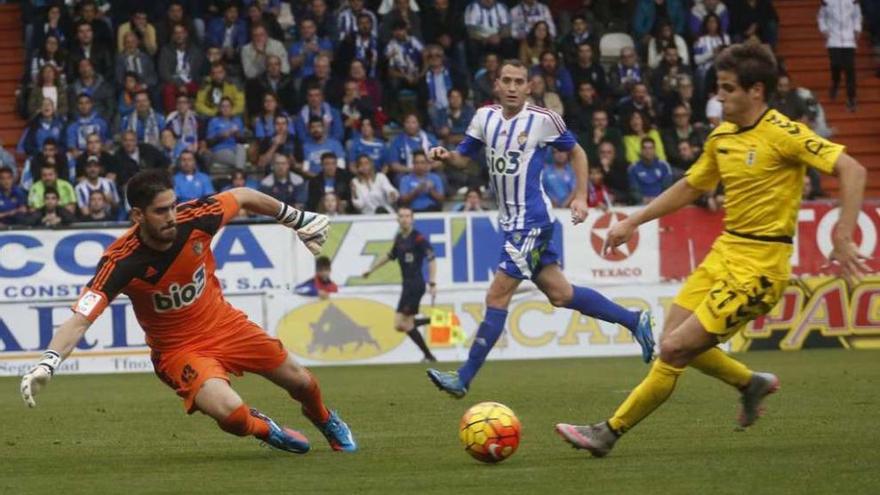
{"x": 163, "y": 234}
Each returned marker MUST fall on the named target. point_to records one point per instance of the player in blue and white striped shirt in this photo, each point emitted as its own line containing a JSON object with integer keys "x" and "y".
{"x": 517, "y": 137}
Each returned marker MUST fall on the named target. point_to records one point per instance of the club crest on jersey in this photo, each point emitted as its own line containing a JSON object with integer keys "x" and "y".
{"x": 522, "y": 138}
{"x": 751, "y": 156}
{"x": 178, "y": 296}
{"x": 198, "y": 248}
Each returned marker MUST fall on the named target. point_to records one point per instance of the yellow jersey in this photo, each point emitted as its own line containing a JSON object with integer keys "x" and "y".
{"x": 762, "y": 170}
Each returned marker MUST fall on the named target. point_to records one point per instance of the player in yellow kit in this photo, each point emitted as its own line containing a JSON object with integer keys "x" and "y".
{"x": 760, "y": 157}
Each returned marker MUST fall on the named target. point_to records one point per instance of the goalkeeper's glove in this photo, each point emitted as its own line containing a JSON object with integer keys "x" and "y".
{"x": 39, "y": 376}
{"x": 312, "y": 228}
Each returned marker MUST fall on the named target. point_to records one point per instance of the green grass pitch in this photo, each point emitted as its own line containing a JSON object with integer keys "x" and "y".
{"x": 127, "y": 434}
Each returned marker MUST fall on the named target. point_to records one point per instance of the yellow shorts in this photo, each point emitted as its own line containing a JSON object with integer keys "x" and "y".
{"x": 739, "y": 280}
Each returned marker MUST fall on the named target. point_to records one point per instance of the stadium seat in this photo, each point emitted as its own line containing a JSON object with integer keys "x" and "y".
{"x": 610, "y": 45}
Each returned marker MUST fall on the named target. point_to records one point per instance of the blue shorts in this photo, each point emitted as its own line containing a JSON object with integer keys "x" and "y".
{"x": 526, "y": 252}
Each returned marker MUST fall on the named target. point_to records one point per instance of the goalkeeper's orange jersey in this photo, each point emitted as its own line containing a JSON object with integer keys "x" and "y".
{"x": 176, "y": 297}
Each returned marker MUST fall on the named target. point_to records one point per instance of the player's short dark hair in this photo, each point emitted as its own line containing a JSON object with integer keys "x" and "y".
{"x": 752, "y": 63}
{"x": 322, "y": 263}
{"x": 513, "y": 62}
{"x": 146, "y": 185}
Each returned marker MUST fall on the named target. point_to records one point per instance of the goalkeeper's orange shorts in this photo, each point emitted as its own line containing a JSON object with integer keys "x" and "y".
{"x": 244, "y": 347}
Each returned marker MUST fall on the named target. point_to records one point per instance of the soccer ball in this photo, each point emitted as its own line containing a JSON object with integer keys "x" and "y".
{"x": 489, "y": 432}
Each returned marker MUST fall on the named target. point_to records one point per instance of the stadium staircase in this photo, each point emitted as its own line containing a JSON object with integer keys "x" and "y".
{"x": 803, "y": 49}
{"x": 12, "y": 62}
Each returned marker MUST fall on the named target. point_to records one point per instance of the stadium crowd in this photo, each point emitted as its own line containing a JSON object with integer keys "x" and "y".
{"x": 332, "y": 105}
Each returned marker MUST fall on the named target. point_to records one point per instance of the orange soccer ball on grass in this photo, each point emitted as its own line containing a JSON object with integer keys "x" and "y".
{"x": 489, "y": 432}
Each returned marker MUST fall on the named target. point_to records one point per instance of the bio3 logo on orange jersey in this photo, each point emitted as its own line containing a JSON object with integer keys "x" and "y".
{"x": 179, "y": 297}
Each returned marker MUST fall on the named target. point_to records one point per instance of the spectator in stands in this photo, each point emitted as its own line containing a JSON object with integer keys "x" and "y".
{"x": 787, "y": 100}
{"x": 421, "y": 189}
{"x": 7, "y": 159}
{"x": 181, "y": 66}
{"x": 13, "y": 199}
{"x": 330, "y": 205}
{"x": 144, "y": 32}
{"x": 49, "y": 180}
{"x": 48, "y": 85}
{"x": 302, "y": 53}
{"x": 686, "y": 155}
{"x": 438, "y": 79}
{"x": 361, "y": 45}
{"x": 54, "y": 24}
{"x": 169, "y": 146}
{"x": 665, "y": 77}
{"x": 348, "y": 20}
{"x": 615, "y": 170}
{"x": 255, "y": 55}
{"x": 325, "y": 21}
{"x": 50, "y": 53}
{"x": 367, "y": 86}
{"x": 131, "y": 86}
{"x": 49, "y": 156}
{"x": 840, "y": 22}
{"x": 638, "y": 100}
{"x": 184, "y": 123}
{"x": 625, "y": 74}
{"x": 598, "y": 194}
{"x": 317, "y": 108}
{"x": 331, "y": 179}
{"x": 226, "y": 136}
{"x": 404, "y": 57}
{"x": 216, "y": 88}
{"x": 452, "y": 122}
{"x": 284, "y": 185}
{"x": 586, "y": 69}
{"x": 650, "y": 175}
{"x": 684, "y": 95}
{"x": 601, "y": 132}
{"x": 316, "y": 144}
{"x": 663, "y": 39}
{"x": 274, "y": 81}
{"x": 400, "y": 13}
{"x": 323, "y": 79}
{"x": 50, "y": 213}
{"x": 536, "y": 42}
{"x": 256, "y": 15}
{"x": 473, "y": 200}
{"x": 582, "y": 33}
{"x": 94, "y": 150}
{"x": 101, "y": 92}
{"x": 526, "y": 14}
{"x": 177, "y": 16}
{"x": 280, "y": 140}
{"x": 557, "y": 78}
{"x": 132, "y": 59}
{"x": 559, "y": 180}
{"x": 131, "y": 158}
{"x": 365, "y": 142}
{"x": 144, "y": 121}
{"x": 405, "y": 145}
{"x": 484, "y": 80}
{"x": 754, "y": 20}
{"x": 541, "y": 97}
{"x": 97, "y": 210}
{"x": 371, "y": 191}
{"x": 228, "y": 32}
{"x": 488, "y": 27}
{"x": 681, "y": 130}
{"x": 189, "y": 183}
{"x": 264, "y": 121}
{"x": 88, "y": 48}
{"x": 354, "y": 108}
{"x": 90, "y": 15}
{"x": 712, "y": 39}
{"x": 616, "y": 15}
{"x": 444, "y": 26}
{"x": 93, "y": 182}
{"x": 579, "y": 114}
{"x": 86, "y": 122}
{"x": 639, "y": 128}
{"x": 651, "y": 13}
{"x": 704, "y": 8}
{"x": 239, "y": 178}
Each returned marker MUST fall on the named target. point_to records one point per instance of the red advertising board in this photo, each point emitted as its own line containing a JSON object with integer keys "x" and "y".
{"x": 687, "y": 235}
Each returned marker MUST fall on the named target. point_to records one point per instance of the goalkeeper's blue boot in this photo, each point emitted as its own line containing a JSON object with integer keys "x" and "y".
{"x": 448, "y": 381}
{"x": 281, "y": 437}
{"x": 337, "y": 433}
{"x": 644, "y": 335}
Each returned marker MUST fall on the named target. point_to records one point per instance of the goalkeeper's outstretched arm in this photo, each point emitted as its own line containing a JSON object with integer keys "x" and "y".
{"x": 63, "y": 342}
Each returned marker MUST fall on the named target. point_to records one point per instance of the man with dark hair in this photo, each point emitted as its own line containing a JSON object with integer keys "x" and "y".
{"x": 13, "y": 199}
{"x": 320, "y": 286}
{"x": 315, "y": 144}
{"x": 88, "y": 46}
{"x": 181, "y": 66}
{"x": 332, "y": 179}
{"x": 284, "y": 185}
{"x": 189, "y": 182}
{"x": 97, "y": 209}
{"x": 755, "y": 150}
{"x": 49, "y": 179}
{"x": 166, "y": 267}
{"x": 86, "y": 123}
{"x": 51, "y": 213}
{"x": 421, "y": 189}
{"x": 649, "y": 176}
{"x": 132, "y": 157}
{"x": 411, "y": 249}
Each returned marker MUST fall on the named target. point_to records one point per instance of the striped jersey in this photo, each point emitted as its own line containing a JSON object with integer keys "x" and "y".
{"x": 516, "y": 150}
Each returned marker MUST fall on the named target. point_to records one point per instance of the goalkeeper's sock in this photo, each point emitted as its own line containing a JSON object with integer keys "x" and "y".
{"x": 309, "y": 396}
{"x": 240, "y": 422}
{"x": 591, "y": 303}
{"x": 416, "y": 337}
{"x": 487, "y": 335}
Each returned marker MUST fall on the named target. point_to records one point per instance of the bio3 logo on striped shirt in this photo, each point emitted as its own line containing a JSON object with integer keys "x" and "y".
{"x": 506, "y": 163}
{"x": 178, "y": 297}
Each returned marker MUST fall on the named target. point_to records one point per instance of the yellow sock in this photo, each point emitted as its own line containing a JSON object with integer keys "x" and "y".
{"x": 642, "y": 401}
{"x": 715, "y": 362}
